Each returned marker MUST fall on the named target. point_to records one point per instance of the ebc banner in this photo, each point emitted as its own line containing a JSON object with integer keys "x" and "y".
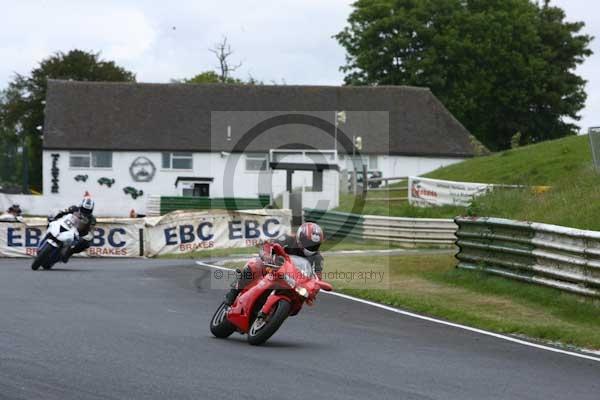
{"x": 110, "y": 238}
{"x": 183, "y": 232}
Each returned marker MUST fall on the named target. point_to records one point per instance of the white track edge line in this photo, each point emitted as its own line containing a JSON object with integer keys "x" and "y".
{"x": 212, "y": 266}
{"x": 442, "y": 322}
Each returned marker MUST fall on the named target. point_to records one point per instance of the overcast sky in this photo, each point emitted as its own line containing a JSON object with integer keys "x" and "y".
{"x": 276, "y": 40}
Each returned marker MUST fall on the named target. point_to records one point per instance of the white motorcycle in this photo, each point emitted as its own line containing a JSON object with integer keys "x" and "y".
{"x": 60, "y": 235}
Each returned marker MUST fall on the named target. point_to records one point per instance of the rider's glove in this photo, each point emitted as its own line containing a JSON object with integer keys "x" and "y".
{"x": 279, "y": 261}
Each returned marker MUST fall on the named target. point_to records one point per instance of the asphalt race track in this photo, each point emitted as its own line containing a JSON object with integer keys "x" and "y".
{"x": 138, "y": 329}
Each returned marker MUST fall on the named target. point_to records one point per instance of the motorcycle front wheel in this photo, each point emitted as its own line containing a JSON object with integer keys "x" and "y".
{"x": 219, "y": 325}
{"x": 43, "y": 257}
{"x": 263, "y": 328}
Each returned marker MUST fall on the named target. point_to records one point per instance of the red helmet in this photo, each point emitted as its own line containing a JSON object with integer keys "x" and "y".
{"x": 309, "y": 238}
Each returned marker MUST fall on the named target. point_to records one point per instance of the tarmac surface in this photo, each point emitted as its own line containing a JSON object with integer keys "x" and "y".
{"x": 138, "y": 329}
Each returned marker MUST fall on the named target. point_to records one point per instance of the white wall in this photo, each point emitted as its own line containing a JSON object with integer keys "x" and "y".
{"x": 30, "y": 204}
{"x": 330, "y": 196}
{"x": 230, "y": 179}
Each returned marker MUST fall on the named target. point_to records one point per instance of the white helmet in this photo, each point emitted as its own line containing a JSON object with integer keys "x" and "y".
{"x": 87, "y": 205}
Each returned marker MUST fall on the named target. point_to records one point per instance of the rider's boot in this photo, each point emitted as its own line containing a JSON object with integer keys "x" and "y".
{"x": 244, "y": 276}
{"x": 231, "y": 296}
{"x": 66, "y": 254}
{"x": 237, "y": 286}
{"x": 77, "y": 247}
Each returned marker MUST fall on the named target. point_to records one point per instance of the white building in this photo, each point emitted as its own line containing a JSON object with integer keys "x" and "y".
{"x": 124, "y": 142}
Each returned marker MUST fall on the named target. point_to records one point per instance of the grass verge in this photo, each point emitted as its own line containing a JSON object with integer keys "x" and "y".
{"x": 431, "y": 284}
{"x": 351, "y": 203}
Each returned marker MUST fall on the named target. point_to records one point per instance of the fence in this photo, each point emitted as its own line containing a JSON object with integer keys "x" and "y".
{"x": 549, "y": 255}
{"x": 410, "y": 231}
{"x": 594, "y": 136}
{"x": 161, "y": 205}
{"x": 394, "y": 193}
{"x": 358, "y": 184}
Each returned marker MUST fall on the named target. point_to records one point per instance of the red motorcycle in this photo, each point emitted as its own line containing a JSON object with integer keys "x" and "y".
{"x": 285, "y": 283}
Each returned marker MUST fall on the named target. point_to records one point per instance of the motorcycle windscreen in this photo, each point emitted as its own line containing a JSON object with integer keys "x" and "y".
{"x": 303, "y": 265}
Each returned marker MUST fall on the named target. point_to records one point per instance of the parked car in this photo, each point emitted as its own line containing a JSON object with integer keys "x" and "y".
{"x": 370, "y": 175}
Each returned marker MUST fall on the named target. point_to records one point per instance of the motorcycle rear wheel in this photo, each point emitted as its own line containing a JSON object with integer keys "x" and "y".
{"x": 219, "y": 325}
{"x": 261, "y": 330}
{"x": 42, "y": 258}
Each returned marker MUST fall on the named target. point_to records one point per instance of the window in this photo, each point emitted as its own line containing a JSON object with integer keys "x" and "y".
{"x": 166, "y": 160}
{"x": 177, "y": 161}
{"x": 101, "y": 159}
{"x": 90, "y": 159}
{"x": 256, "y": 162}
{"x": 79, "y": 159}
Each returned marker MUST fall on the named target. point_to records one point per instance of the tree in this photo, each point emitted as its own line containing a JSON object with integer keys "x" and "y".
{"x": 500, "y": 66}
{"x": 222, "y": 51}
{"x": 22, "y": 108}
{"x": 10, "y": 162}
{"x": 211, "y": 77}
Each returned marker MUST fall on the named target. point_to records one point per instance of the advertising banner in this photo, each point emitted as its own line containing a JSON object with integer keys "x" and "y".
{"x": 117, "y": 238}
{"x": 111, "y": 238}
{"x": 183, "y": 232}
{"x": 20, "y": 239}
{"x": 175, "y": 233}
{"x": 433, "y": 192}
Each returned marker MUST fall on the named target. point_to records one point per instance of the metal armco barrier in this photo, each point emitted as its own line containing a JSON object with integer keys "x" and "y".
{"x": 394, "y": 229}
{"x": 549, "y": 255}
{"x": 336, "y": 224}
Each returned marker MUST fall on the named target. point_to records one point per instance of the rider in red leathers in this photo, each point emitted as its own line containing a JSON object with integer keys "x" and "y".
{"x": 305, "y": 244}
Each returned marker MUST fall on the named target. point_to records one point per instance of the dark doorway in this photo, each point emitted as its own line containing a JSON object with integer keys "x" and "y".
{"x": 197, "y": 190}
{"x": 201, "y": 190}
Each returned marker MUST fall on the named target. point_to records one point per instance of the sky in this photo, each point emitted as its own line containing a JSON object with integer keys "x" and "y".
{"x": 277, "y": 41}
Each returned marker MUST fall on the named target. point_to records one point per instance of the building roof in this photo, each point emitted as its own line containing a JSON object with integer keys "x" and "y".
{"x": 396, "y": 120}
